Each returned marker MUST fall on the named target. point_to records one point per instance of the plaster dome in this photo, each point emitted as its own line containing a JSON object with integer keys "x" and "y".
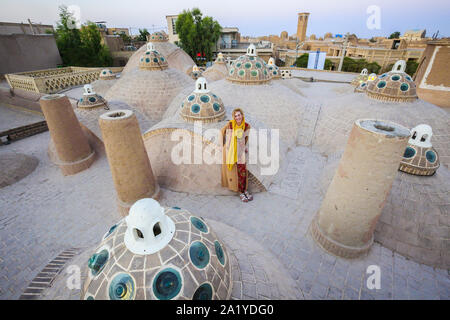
{"x": 362, "y": 77}
{"x": 104, "y": 82}
{"x": 249, "y": 69}
{"x": 218, "y": 70}
{"x": 107, "y": 74}
{"x": 152, "y": 59}
{"x": 361, "y": 87}
{"x": 273, "y": 69}
{"x": 158, "y": 253}
{"x": 157, "y": 37}
{"x": 175, "y": 56}
{"x": 202, "y": 104}
{"x": 91, "y": 99}
{"x": 420, "y": 158}
{"x": 395, "y": 85}
{"x": 195, "y": 73}
{"x": 151, "y": 87}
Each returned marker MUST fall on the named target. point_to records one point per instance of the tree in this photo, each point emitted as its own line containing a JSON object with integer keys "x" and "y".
{"x": 80, "y": 47}
{"x": 411, "y": 67}
{"x": 93, "y": 53}
{"x": 372, "y": 40}
{"x": 143, "y": 33}
{"x": 394, "y": 35}
{"x": 197, "y": 35}
{"x": 126, "y": 38}
{"x": 302, "y": 62}
{"x": 356, "y": 65}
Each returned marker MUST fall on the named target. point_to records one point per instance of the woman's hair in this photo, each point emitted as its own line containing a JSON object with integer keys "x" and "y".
{"x": 235, "y": 110}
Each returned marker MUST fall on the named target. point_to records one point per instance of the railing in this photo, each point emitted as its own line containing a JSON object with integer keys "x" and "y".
{"x": 52, "y": 80}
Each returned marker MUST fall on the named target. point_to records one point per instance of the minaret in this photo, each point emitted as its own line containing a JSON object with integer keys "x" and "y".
{"x": 302, "y": 25}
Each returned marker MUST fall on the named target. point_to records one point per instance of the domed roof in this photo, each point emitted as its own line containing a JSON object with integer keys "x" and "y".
{"x": 202, "y": 104}
{"x": 395, "y": 85}
{"x": 249, "y": 69}
{"x": 195, "y": 73}
{"x": 91, "y": 99}
{"x": 420, "y": 158}
{"x": 152, "y": 59}
{"x": 362, "y": 77}
{"x": 218, "y": 70}
{"x": 273, "y": 69}
{"x": 158, "y": 253}
{"x": 150, "y": 88}
{"x": 107, "y": 74}
{"x": 158, "y": 37}
{"x": 175, "y": 56}
{"x": 220, "y": 59}
{"x": 362, "y": 87}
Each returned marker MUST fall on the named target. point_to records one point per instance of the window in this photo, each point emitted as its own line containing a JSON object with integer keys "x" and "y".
{"x": 174, "y": 21}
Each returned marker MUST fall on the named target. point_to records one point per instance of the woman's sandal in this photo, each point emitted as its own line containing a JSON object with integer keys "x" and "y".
{"x": 243, "y": 197}
{"x": 249, "y": 196}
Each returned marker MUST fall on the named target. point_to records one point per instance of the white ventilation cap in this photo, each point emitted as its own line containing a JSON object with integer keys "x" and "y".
{"x": 251, "y": 50}
{"x": 399, "y": 66}
{"x": 421, "y": 136}
{"x": 201, "y": 85}
{"x": 150, "y": 46}
{"x": 88, "y": 90}
{"x": 148, "y": 228}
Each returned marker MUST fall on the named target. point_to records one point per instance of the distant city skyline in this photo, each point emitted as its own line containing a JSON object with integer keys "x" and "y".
{"x": 252, "y": 18}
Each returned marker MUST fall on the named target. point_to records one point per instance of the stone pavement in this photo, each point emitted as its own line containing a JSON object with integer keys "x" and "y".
{"x": 48, "y": 213}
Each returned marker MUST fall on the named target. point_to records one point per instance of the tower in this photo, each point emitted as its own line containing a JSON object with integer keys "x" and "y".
{"x": 302, "y": 25}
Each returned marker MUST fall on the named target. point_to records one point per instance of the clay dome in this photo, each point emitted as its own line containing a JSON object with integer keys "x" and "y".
{"x": 362, "y": 77}
{"x": 273, "y": 69}
{"x": 91, "y": 99}
{"x": 157, "y": 37}
{"x": 152, "y": 59}
{"x": 105, "y": 81}
{"x": 395, "y": 85}
{"x": 150, "y": 88}
{"x": 420, "y": 158}
{"x": 195, "y": 73}
{"x": 158, "y": 253}
{"x": 220, "y": 59}
{"x": 362, "y": 87}
{"x": 175, "y": 57}
{"x": 218, "y": 70}
{"x": 202, "y": 105}
{"x": 107, "y": 74}
{"x": 249, "y": 69}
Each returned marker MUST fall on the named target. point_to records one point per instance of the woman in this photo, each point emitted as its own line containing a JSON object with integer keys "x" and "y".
{"x": 234, "y": 168}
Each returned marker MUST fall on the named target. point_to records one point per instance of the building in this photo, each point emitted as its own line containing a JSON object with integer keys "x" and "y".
{"x": 415, "y": 34}
{"x": 302, "y": 24}
{"x": 171, "y": 20}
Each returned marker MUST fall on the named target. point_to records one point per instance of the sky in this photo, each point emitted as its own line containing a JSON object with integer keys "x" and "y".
{"x": 253, "y": 18}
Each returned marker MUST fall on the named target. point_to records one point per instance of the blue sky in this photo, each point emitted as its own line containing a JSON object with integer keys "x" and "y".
{"x": 253, "y": 18}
